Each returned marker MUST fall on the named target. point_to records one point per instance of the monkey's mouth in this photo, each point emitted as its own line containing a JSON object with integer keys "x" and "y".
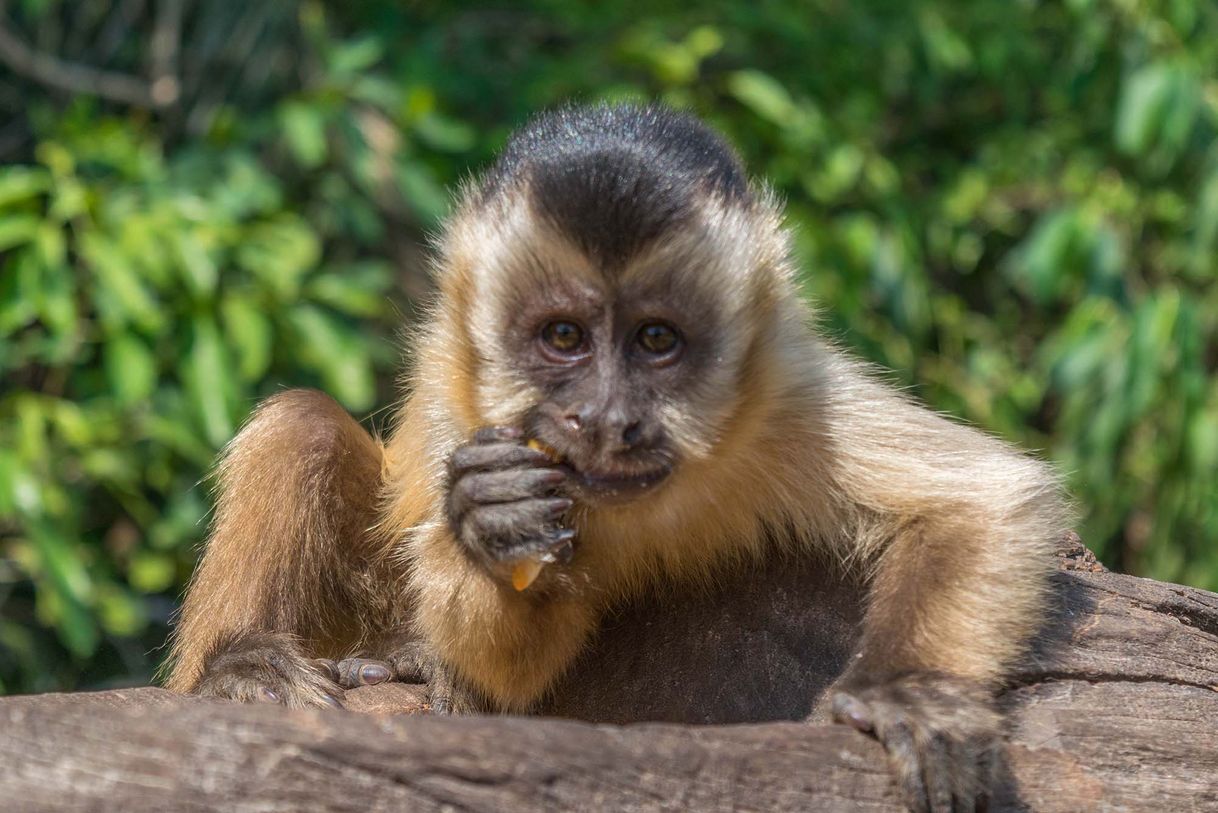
{"x": 613, "y": 486}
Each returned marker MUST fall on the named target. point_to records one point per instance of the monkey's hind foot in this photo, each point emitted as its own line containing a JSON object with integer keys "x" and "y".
{"x": 411, "y": 662}
{"x": 941, "y": 734}
{"x": 267, "y": 667}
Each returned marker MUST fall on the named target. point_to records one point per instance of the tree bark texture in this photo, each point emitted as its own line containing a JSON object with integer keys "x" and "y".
{"x": 1116, "y": 710}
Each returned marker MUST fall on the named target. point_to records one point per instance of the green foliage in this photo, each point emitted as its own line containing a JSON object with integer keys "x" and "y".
{"x": 1013, "y": 205}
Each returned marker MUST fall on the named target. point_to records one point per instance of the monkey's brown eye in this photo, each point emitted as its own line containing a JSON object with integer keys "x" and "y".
{"x": 565, "y": 337}
{"x": 658, "y": 338}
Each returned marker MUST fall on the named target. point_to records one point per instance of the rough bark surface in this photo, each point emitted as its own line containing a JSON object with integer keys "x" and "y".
{"x": 1116, "y": 710}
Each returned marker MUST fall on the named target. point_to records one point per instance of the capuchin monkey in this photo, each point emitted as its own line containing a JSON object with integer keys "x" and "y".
{"x": 619, "y": 389}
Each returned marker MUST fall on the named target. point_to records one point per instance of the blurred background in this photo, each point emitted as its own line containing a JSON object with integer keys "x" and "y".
{"x": 1012, "y": 204}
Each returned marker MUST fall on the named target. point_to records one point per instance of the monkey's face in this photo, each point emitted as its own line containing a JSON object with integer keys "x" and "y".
{"x": 625, "y": 369}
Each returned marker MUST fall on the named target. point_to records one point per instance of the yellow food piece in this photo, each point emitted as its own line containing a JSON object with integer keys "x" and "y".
{"x": 534, "y": 443}
{"x": 524, "y": 573}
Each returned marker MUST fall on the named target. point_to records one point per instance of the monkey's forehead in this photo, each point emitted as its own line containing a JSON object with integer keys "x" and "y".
{"x": 614, "y": 179}
{"x": 718, "y": 257}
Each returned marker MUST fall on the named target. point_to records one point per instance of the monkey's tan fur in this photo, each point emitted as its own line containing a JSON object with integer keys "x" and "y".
{"x": 953, "y": 527}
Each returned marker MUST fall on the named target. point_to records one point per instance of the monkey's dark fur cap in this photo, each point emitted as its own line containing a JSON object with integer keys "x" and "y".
{"x": 614, "y": 178}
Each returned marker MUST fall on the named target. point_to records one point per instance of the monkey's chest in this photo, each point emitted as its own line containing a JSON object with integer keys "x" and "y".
{"x": 764, "y": 645}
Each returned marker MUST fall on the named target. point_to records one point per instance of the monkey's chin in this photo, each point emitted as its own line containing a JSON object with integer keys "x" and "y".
{"x": 614, "y": 487}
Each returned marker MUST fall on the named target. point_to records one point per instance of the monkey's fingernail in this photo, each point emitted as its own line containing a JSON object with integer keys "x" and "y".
{"x": 560, "y": 549}
{"x": 331, "y": 701}
{"x": 560, "y": 553}
{"x": 373, "y": 673}
{"x": 265, "y": 695}
{"x": 559, "y": 506}
{"x": 851, "y": 712}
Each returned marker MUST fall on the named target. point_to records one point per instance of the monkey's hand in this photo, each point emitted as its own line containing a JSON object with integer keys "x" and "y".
{"x": 940, "y": 733}
{"x": 505, "y": 501}
{"x": 267, "y": 667}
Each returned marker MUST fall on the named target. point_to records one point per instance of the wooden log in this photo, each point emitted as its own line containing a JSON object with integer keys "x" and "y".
{"x": 1117, "y": 709}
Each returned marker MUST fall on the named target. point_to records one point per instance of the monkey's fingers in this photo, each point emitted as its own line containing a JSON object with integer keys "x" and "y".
{"x": 513, "y": 530}
{"x": 493, "y": 456}
{"x": 494, "y": 487}
{"x": 896, "y": 733}
{"x": 353, "y": 672}
{"x": 938, "y": 742}
{"x": 497, "y": 434}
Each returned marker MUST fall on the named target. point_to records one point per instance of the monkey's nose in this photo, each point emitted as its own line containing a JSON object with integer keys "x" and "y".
{"x": 632, "y": 435}
{"x": 576, "y": 419}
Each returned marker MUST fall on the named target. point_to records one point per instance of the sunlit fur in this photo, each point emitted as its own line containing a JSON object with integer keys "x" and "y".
{"x": 789, "y": 443}
{"x": 335, "y": 543}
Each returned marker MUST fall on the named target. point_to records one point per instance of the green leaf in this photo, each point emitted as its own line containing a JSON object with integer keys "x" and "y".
{"x": 249, "y": 333}
{"x": 763, "y": 94}
{"x": 196, "y": 264}
{"x": 421, "y": 190}
{"x": 358, "y": 289}
{"x": 120, "y": 613}
{"x": 122, "y": 295}
{"x": 209, "y": 381}
{"x": 444, "y": 133}
{"x": 18, "y": 184}
{"x": 945, "y": 48}
{"x": 280, "y": 252}
{"x": 151, "y": 572}
{"x": 12, "y": 476}
{"x": 17, "y": 229}
{"x": 71, "y": 590}
{"x": 1202, "y": 446}
{"x": 338, "y": 353}
{"x": 1047, "y": 260}
{"x": 130, "y": 367}
{"x": 350, "y": 58}
{"x": 176, "y": 432}
{"x": 16, "y": 307}
{"x": 1145, "y": 95}
{"x": 304, "y": 128}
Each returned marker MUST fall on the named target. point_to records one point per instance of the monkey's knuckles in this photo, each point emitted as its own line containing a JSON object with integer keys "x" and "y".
{"x": 505, "y": 500}
{"x": 940, "y": 739}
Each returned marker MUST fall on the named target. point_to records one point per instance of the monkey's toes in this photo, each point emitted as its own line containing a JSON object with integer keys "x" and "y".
{"x": 267, "y": 668}
{"x": 352, "y": 672}
{"x": 417, "y": 662}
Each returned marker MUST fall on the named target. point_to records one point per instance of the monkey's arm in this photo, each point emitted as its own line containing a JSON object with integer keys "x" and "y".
{"x": 958, "y": 530}
{"x": 279, "y": 580}
{"x": 500, "y": 501}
